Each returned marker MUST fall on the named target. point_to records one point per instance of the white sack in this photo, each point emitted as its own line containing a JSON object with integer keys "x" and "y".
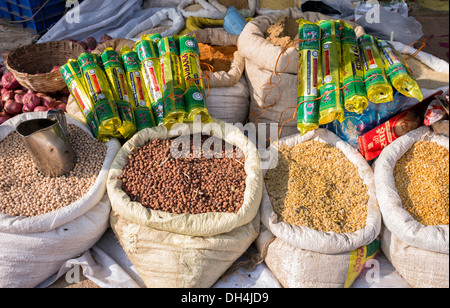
{"x": 34, "y": 248}
{"x": 397, "y": 219}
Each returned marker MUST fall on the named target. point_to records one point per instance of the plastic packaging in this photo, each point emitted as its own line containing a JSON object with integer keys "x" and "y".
{"x": 172, "y": 82}
{"x": 195, "y": 96}
{"x": 233, "y": 21}
{"x": 352, "y": 72}
{"x": 397, "y": 72}
{"x": 379, "y": 90}
{"x": 71, "y": 74}
{"x": 309, "y": 70}
{"x": 115, "y": 73}
{"x": 332, "y": 103}
{"x": 141, "y": 106}
{"x": 98, "y": 88}
{"x": 151, "y": 70}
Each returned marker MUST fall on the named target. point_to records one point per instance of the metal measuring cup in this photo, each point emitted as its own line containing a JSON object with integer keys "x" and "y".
{"x": 47, "y": 141}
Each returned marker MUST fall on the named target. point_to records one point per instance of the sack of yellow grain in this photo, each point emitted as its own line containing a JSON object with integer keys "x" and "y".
{"x": 412, "y": 185}
{"x": 319, "y": 214}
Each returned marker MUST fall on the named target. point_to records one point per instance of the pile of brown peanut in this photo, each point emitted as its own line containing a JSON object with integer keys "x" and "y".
{"x": 165, "y": 176}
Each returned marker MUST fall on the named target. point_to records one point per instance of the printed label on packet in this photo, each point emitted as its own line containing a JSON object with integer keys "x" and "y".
{"x": 309, "y": 70}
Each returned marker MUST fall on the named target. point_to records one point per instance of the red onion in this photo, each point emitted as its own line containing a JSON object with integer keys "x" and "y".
{"x": 12, "y": 107}
{"x": 30, "y": 101}
{"x": 61, "y": 106}
{"x": 48, "y": 102}
{"x": 18, "y": 97}
{"x": 91, "y": 43}
{"x": 40, "y": 108}
{"x": 8, "y": 94}
{"x": 10, "y": 82}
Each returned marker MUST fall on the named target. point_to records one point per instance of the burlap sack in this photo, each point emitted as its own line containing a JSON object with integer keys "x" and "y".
{"x": 418, "y": 252}
{"x": 301, "y": 257}
{"x": 185, "y": 251}
{"x": 273, "y": 88}
{"x": 32, "y": 249}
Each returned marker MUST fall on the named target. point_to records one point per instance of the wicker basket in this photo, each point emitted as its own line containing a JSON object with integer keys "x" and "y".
{"x": 26, "y": 61}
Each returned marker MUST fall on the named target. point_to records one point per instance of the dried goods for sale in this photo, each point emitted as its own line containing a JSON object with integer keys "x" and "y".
{"x": 53, "y": 220}
{"x": 411, "y": 178}
{"x": 177, "y": 205}
{"x": 319, "y": 213}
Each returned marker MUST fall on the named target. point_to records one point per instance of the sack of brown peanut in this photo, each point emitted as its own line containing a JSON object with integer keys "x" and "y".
{"x": 319, "y": 214}
{"x": 412, "y": 184}
{"x": 272, "y": 71}
{"x": 46, "y": 221}
{"x": 183, "y": 222}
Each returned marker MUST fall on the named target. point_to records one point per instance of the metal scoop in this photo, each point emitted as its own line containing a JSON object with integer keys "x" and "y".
{"x": 48, "y": 143}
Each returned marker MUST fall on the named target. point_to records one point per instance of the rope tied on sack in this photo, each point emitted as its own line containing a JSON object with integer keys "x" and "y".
{"x": 271, "y": 85}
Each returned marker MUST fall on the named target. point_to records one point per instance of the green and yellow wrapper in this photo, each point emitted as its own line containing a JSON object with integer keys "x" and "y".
{"x": 141, "y": 106}
{"x": 172, "y": 82}
{"x": 155, "y": 37}
{"x": 151, "y": 70}
{"x": 378, "y": 88}
{"x": 352, "y": 72}
{"x": 398, "y": 74}
{"x": 71, "y": 74}
{"x": 115, "y": 72}
{"x": 195, "y": 96}
{"x": 332, "y": 102}
{"x": 98, "y": 88}
{"x": 309, "y": 76}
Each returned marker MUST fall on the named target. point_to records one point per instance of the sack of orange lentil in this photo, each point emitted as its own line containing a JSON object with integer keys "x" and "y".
{"x": 185, "y": 202}
{"x": 412, "y": 186}
{"x": 319, "y": 213}
{"x": 47, "y": 221}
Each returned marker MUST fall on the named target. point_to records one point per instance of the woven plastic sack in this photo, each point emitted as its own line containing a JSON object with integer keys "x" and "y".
{"x": 418, "y": 252}
{"x": 33, "y": 248}
{"x": 185, "y": 251}
{"x": 301, "y": 257}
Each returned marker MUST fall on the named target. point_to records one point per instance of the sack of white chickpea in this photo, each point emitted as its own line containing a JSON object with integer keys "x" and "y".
{"x": 46, "y": 221}
{"x": 184, "y": 220}
{"x": 412, "y": 185}
{"x": 319, "y": 214}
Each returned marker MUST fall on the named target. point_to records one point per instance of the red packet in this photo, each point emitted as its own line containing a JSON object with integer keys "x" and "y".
{"x": 373, "y": 142}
